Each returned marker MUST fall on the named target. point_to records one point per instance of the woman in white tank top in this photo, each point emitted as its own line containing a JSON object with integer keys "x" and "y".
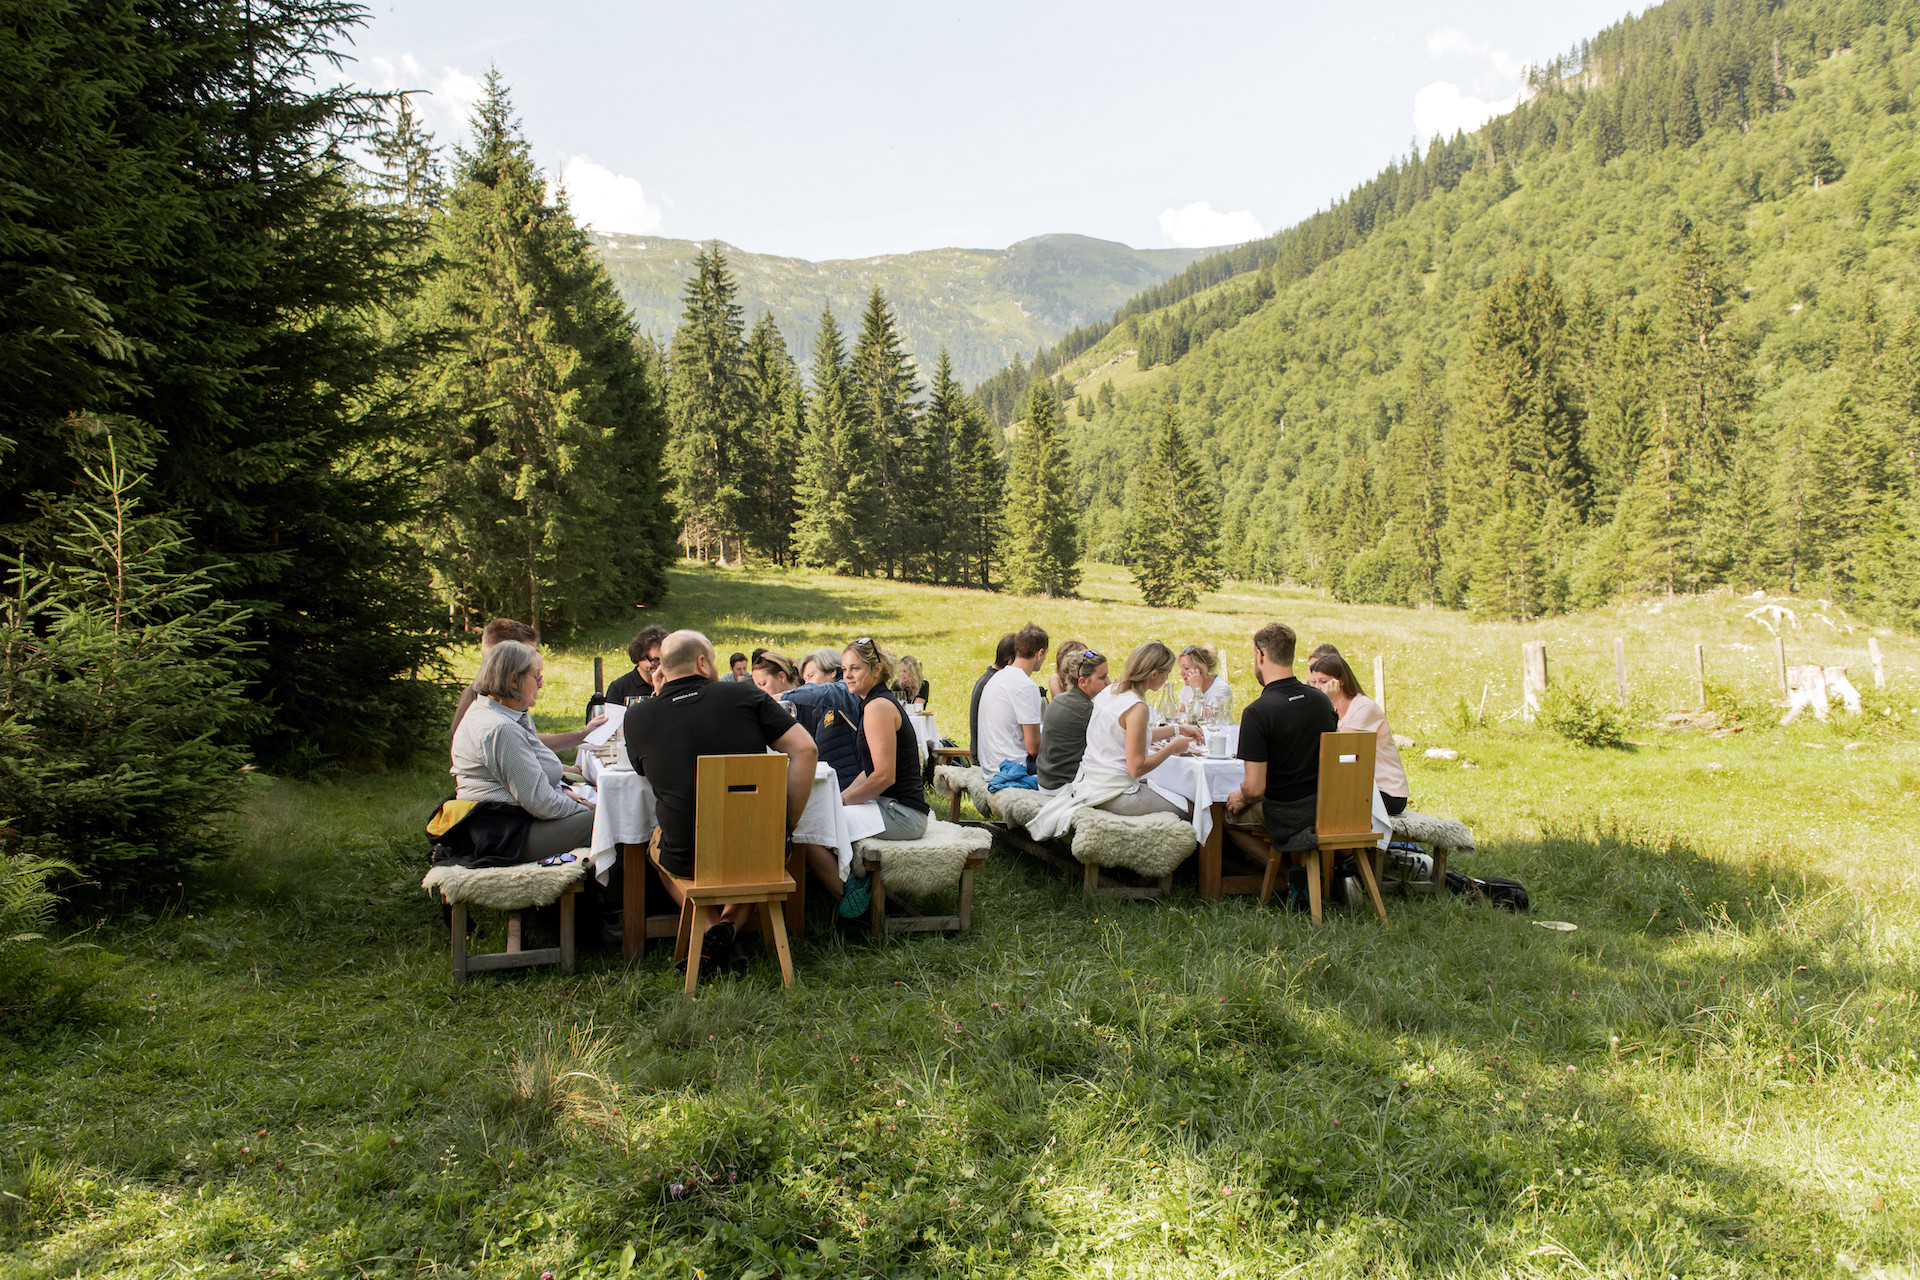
{"x": 1120, "y": 735}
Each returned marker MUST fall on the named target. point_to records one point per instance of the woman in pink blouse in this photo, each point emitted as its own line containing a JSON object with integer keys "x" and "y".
{"x": 1328, "y": 672}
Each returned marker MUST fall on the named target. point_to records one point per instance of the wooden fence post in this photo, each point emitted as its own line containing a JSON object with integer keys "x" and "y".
{"x": 1380, "y": 679}
{"x": 1533, "y": 676}
{"x": 599, "y": 676}
{"x": 1873, "y": 655}
{"x": 1780, "y": 662}
{"x": 1620, "y": 668}
{"x": 1700, "y": 675}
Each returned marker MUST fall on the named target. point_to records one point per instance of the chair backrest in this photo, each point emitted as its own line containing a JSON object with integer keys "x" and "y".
{"x": 1345, "y": 804}
{"x": 740, "y": 819}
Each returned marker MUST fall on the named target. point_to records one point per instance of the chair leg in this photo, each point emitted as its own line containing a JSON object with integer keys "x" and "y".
{"x": 966, "y": 899}
{"x": 1313, "y": 885}
{"x": 775, "y": 916}
{"x": 1268, "y": 879}
{"x": 459, "y": 943}
{"x": 683, "y": 933}
{"x": 689, "y": 912}
{"x": 566, "y": 929}
{"x": 1373, "y": 886}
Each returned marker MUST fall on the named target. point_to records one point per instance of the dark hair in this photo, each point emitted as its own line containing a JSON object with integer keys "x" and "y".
{"x": 755, "y": 656}
{"x": 507, "y": 629}
{"x": 1029, "y": 641}
{"x": 1326, "y": 661}
{"x": 1277, "y": 641}
{"x": 1003, "y": 652}
{"x": 738, "y": 657}
{"x": 645, "y": 643}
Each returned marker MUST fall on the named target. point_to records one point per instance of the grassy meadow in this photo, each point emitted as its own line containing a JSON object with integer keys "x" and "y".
{"x": 1714, "y": 1075}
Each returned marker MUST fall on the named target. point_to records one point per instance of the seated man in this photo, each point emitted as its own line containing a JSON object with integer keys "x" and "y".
{"x": 1002, "y": 658}
{"x": 644, "y": 652}
{"x": 1010, "y": 707}
{"x": 513, "y": 629}
{"x": 1063, "y": 729}
{"x": 739, "y": 669}
{"x": 1280, "y": 743}
{"x": 698, "y": 714}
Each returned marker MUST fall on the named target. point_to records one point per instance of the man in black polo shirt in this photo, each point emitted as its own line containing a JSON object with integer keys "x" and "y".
{"x": 697, "y": 714}
{"x": 1280, "y": 743}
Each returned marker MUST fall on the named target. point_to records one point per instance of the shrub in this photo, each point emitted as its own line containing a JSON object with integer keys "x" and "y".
{"x": 1578, "y": 712}
{"x": 38, "y": 976}
{"x": 119, "y": 690}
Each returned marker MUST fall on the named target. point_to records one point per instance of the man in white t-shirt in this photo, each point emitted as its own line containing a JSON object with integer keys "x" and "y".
{"x": 1010, "y": 705}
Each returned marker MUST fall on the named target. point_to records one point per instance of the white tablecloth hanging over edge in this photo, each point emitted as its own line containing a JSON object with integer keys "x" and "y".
{"x": 1205, "y": 780}
{"x": 926, "y": 730}
{"x": 627, "y": 815}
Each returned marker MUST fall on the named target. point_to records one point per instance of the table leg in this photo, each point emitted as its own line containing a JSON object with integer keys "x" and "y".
{"x": 795, "y": 906}
{"x": 634, "y": 875}
{"x": 1211, "y": 851}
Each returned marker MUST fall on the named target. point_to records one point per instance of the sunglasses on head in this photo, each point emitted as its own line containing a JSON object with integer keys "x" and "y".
{"x": 1092, "y": 655}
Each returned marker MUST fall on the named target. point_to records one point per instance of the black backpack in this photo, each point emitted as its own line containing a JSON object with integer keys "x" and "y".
{"x": 1498, "y": 890}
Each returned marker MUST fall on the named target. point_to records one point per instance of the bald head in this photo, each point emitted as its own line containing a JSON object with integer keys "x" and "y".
{"x": 681, "y": 652}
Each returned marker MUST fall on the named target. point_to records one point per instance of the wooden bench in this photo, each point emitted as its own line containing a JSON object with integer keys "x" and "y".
{"x": 514, "y": 890}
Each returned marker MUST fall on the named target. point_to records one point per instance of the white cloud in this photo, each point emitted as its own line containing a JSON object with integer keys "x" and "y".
{"x": 1441, "y": 108}
{"x": 1452, "y": 42}
{"x": 446, "y": 99}
{"x": 609, "y": 201}
{"x": 1199, "y": 226}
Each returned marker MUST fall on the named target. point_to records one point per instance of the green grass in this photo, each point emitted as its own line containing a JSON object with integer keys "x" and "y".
{"x": 1715, "y": 1075}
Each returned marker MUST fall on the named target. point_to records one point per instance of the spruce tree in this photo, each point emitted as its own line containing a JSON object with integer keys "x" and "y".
{"x": 979, "y": 497}
{"x": 944, "y": 489}
{"x": 1173, "y": 522}
{"x": 410, "y": 174}
{"x": 549, "y": 501}
{"x": 774, "y": 402}
{"x": 1043, "y": 555}
{"x": 883, "y": 389}
{"x": 1416, "y": 491}
{"x": 834, "y": 491}
{"x": 707, "y": 409}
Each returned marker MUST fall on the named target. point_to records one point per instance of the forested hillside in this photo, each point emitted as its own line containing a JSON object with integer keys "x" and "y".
{"x": 1651, "y": 331}
{"x": 982, "y": 305}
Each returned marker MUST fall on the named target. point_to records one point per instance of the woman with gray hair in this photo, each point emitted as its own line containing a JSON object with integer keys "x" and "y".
{"x": 822, "y": 666}
{"x": 497, "y": 757}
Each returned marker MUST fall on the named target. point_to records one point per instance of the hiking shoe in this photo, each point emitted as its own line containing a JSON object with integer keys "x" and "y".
{"x": 716, "y": 950}
{"x": 857, "y": 898}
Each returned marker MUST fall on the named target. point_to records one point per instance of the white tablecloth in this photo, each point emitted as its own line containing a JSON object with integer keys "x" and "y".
{"x": 627, "y": 815}
{"x": 926, "y": 730}
{"x": 1205, "y": 780}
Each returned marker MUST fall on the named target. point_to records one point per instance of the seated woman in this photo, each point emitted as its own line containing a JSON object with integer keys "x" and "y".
{"x": 1328, "y": 672}
{"x": 1063, "y": 726}
{"x": 889, "y": 753}
{"x": 822, "y": 666}
{"x": 912, "y": 687}
{"x": 498, "y": 757}
{"x": 1204, "y": 694}
{"x": 775, "y": 674}
{"x": 1120, "y": 751}
{"x": 1061, "y": 680}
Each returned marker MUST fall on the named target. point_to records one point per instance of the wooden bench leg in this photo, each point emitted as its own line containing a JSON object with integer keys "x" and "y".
{"x": 1439, "y": 869}
{"x": 966, "y": 898}
{"x": 774, "y": 915}
{"x": 459, "y": 943}
{"x": 953, "y": 809}
{"x": 1090, "y": 882}
{"x": 513, "y": 931}
{"x": 877, "y": 910}
{"x": 566, "y": 929}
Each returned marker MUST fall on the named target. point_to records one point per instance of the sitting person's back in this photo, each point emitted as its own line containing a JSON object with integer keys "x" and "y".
{"x": 1280, "y": 743}
{"x": 497, "y": 758}
{"x": 831, "y": 714}
{"x": 1063, "y": 727}
{"x": 1010, "y": 706}
{"x": 695, "y": 714}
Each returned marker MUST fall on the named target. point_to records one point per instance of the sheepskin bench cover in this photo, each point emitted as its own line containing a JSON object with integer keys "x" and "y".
{"x": 931, "y": 864}
{"x": 967, "y": 780}
{"x": 505, "y": 888}
{"x": 1442, "y": 833}
{"x": 1151, "y": 845}
{"x": 1017, "y": 805}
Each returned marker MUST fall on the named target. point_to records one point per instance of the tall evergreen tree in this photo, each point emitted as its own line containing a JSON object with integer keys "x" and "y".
{"x": 978, "y": 489}
{"x": 410, "y": 174}
{"x": 1043, "y": 553}
{"x": 834, "y": 491}
{"x": 944, "y": 488}
{"x": 707, "y": 409}
{"x": 549, "y": 501}
{"x": 1416, "y": 494}
{"x": 883, "y": 390}
{"x": 1173, "y": 522}
{"x": 775, "y": 410}
{"x": 184, "y": 248}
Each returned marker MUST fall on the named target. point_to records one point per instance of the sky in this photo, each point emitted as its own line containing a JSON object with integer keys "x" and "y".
{"x": 849, "y": 130}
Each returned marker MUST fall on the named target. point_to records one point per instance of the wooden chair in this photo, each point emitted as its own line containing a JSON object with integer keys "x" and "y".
{"x": 1343, "y": 820}
{"x": 739, "y": 851}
